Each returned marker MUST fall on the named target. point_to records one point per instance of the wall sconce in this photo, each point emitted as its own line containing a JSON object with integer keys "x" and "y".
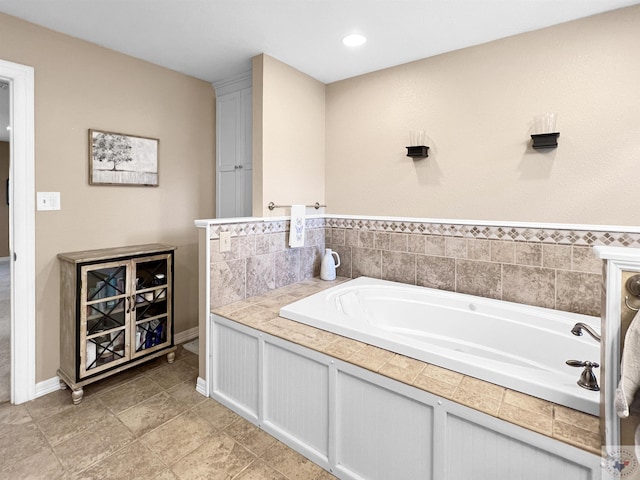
{"x": 417, "y": 148}
{"x": 545, "y": 135}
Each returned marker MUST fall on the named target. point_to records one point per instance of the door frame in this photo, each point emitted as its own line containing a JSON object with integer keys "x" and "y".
{"x": 22, "y": 229}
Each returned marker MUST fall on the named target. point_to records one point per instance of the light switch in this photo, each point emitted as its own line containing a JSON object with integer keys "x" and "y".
{"x": 225, "y": 241}
{"x": 48, "y": 201}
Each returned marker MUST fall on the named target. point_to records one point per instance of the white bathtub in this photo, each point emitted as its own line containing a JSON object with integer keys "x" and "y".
{"x": 520, "y": 347}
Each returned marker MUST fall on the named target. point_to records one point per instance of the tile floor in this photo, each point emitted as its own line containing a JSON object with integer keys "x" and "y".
{"x": 144, "y": 423}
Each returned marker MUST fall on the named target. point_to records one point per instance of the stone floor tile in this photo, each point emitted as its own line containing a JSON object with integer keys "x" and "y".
{"x": 130, "y": 394}
{"x": 324, "y": 475}
{"x": 166, "y": 475}
{"x": 171, "y": 374}
{"x": 50, "y": 404}
{"x": 186, "y": 393}
{"x": 13, "y": 415}
{"x": 219, "y": 457}
{"x": 72, "y": 421}
{"x": 178, "y": 437}
{"x": 133, "y": 462}
{"x": 151, "y": 413}
{"x": 94, "y": 445}
{"x": 254, "y": 439}
{"x": 25, "y": 440}
{"x": 290, "y": 463}
{"x": 216, "y": 414}
{"x": 109, "y": 382}
{"x": 259, "y": 470}
{"x": 41, "y": 466}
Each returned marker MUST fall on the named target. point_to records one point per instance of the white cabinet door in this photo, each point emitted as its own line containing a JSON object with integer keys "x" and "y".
{"x": 234, "y": 154}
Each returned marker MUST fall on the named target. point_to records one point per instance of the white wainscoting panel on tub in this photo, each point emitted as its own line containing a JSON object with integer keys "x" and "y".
{"x": 296, "y": 400}
{"x": 360, "y": 425}
{"x": 475, "y": 451}
{"x": 371, "y": 418}
{"x": 236, "y": 372}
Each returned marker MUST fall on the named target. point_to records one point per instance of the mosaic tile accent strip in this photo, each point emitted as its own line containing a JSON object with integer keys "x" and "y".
{"x": 261, "y": 227}
{"x": 517, "y": 234}
{"x": 484, "y": 232}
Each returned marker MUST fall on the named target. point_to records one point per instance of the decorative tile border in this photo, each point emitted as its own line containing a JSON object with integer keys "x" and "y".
{"x": 557, "y": 236}
{"x": 518, "y": 234}
{"x": 259, "y": 227}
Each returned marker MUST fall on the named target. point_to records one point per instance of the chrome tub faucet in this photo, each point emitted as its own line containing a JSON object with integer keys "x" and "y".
{"x": 579, "y": 327}
{"x": 587, "y": 377}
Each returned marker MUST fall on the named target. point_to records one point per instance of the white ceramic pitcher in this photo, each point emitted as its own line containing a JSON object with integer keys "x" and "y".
{"x": 328, "y": 265}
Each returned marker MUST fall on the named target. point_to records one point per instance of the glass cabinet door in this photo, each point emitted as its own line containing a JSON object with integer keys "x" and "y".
{"x": 152, "y": 310}
{"x": 104, "y": 311}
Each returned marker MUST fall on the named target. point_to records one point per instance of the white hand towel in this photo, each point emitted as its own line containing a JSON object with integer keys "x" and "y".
{"x": 629, "y": 369}
{"x": 296, "y": 229}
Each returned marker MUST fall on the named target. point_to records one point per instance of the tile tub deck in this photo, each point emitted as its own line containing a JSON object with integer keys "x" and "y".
{"x": 556, "y": 421}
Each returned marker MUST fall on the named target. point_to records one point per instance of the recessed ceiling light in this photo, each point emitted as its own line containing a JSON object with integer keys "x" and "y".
{"x": 354, "y": 40}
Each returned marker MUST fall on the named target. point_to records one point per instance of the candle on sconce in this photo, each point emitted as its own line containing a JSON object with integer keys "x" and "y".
{"x": 416, "y": 138}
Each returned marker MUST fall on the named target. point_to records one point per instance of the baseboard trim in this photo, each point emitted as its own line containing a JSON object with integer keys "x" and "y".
{"x": 47, "y": 386}
{"x": 185, "y": 335}
{"x": 201, "y": 387}
{"x": 53, "y": 384}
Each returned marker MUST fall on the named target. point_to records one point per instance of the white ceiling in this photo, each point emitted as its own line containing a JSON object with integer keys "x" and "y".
{"x": 216, "y": 39}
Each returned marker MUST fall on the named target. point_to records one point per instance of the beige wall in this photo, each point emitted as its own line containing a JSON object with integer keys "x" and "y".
{"x": 80, "y": 86}
{"x": 290, "y": 117}
{"x": 4, "y": 208}
{"x": 257, "y": 67}
{"x": 477, "y": 106}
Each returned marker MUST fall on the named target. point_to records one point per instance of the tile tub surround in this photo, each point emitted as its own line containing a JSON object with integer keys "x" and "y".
{"x": 546, "y": 266}
{"x": 561, "y": 423}
{"x": 260, "y": 259}
{"x": 550, "y": 266}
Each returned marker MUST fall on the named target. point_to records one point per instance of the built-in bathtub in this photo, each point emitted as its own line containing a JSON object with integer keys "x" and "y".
{"x": 520, "y": 347}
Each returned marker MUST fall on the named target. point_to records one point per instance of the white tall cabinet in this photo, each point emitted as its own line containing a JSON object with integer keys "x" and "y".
{"x": 233, "y": 147}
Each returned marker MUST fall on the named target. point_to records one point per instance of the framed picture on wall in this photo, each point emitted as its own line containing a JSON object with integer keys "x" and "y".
{"x": 120, "y": 159}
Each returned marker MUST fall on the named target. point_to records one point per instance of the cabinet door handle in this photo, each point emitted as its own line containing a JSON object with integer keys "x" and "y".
{"x": 128, "y": 304}
{"x": 240, "y": 166}
{"x": 133, "y": 302}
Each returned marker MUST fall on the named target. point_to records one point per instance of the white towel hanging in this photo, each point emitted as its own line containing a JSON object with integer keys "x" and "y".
{"x": 297, "y": 227}
{"x": 629, "y": 369}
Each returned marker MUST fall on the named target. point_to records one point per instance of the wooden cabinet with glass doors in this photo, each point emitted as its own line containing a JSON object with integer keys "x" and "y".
{"x": 116, "y": 311}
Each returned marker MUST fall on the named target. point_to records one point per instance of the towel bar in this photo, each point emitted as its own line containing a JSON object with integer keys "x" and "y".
{"x": 272, "y": 205}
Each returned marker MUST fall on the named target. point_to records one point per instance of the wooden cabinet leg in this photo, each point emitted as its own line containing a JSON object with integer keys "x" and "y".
{"x": 171, "y": 356}
{"x": 76, "y": 396}
{"x": 62, "y": 385}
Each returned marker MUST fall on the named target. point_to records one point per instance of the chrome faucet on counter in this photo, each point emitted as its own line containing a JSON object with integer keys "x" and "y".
{"x": 579, "y": 327}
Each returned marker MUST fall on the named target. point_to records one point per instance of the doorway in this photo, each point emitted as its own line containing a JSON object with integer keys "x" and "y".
{"x": 5, "y": 267}
{"x": 21, "y": 198}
